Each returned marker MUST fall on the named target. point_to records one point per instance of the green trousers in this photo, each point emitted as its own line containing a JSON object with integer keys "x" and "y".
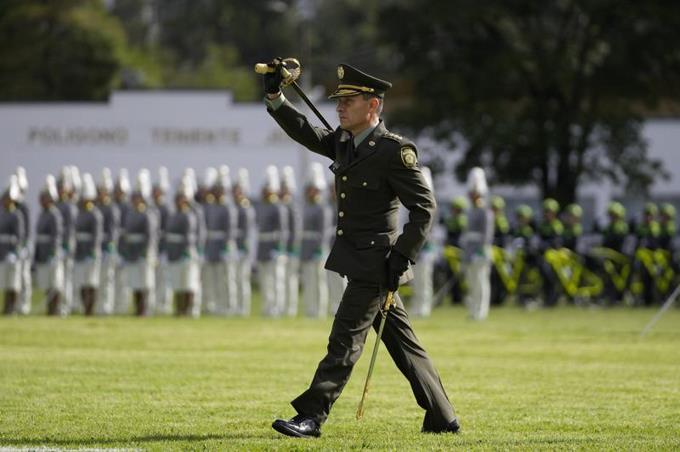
{"x": 358, "y": 311}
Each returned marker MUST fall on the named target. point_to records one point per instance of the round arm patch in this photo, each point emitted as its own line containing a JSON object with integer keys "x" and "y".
{"x": 409, "y": 157}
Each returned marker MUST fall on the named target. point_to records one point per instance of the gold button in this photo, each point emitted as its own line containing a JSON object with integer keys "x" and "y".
{"x": 364, "y": 184}
{"x": 341, "y": 214}
{"x": 372, "y": 242}
{"x": 342, "y": 195}
{"x": 340, "y": 232}
{"x": 344, "y": 178}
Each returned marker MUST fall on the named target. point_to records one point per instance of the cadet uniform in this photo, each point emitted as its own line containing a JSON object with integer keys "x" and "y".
{"x": 316, "y": 237}
{"x": 373, "y": 173}
{"x": 68, "y": 212}
{"x": 218, "y": 275}
{"x": 122, "y": 201}
{"x": 11, "y": 240}
{"x": 182, "y": 250}
{"x": 141, "y": 234}
{"x": 25, "y": 294}
{"x": 476, "y": 243}
{"x": 245, "y": 240}
{"x": 163, "y": 290}
{"x": 111, "y": 230}
{"x": 272, "y": 238}
{"x": 49, "y": 268}
{"x": 89, "y": 230}
{"x": 289, "y": 203}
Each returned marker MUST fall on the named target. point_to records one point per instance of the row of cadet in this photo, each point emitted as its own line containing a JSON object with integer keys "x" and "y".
{"x": 542, "y": 261}
{"x": 98, "y": 247}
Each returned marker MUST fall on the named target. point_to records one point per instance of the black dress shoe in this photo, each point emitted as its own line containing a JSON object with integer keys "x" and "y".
{"x": 300, "y": 426}
{"x": 451, "y": 427}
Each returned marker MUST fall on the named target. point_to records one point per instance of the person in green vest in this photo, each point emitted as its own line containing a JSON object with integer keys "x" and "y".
{"x": 524, "y": 223}
{"x": 667, "y": 226}
{"x": 649, "y": 230}
{"x": 500, "y": 239}
{"x": 617, "y": 230}
{"x": 456, "y": 223}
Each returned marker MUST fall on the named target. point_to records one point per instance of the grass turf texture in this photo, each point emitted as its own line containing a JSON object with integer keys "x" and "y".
{"x": 551, "y": 379}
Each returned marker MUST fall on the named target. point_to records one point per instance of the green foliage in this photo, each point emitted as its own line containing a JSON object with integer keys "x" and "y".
{"x": 543, "y": 380}
{"x": 58, "y": 50}
{"x": 546, "y": 93}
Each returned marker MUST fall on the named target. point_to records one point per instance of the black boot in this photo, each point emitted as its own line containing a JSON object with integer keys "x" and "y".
{"x": 451, "y": 427}
{"x": 300, "y": 426}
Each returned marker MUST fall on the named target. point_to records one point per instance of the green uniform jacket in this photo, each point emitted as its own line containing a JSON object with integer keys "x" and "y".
{"x": 368, "y": 191}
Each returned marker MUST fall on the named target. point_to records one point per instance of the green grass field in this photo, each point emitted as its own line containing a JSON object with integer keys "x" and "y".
{"x": 558, "y": 379}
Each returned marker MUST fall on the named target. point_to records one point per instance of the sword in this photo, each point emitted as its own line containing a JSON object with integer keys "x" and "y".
{"x": 291, "y": 70}
{"x": 384, "y": 309}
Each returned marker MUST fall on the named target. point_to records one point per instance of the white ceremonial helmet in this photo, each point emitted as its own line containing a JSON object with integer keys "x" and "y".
{"x": 476, "y": 182}
{"x": 243, "y": 180}
{"x": 272, "y": 181}
{"x": 124, "y": 181}
{"x": 288, "y": 178}
{"x": 210, "y": 177}
{"x": 13, "y": 191}
{"x": 65, "y": 181}
{"x": 22, "y": 179}
{"x": 144, "y": 183}
{"x": 163, "y": 179}
{"x": 106, "y": 183}
{"x": 225, "y": 178}
{"x": 316, "y": 177}
{"x": 50, "y": 187}
{"x": 77, "y": 182}
{"x": 89, "y": 189}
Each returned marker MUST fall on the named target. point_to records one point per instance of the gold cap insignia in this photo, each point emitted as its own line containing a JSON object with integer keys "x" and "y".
{"x": 409, "y": 157}
{"x": 341, "y": 72}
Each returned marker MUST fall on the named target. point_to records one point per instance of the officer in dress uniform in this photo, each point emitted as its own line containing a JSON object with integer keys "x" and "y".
{"x": 141, "y": 234}
{"x": 272, "y": 238}
{"x": 476, "y": 242}
{"x": 49, "y": 267}
{"x": 89, "y": 226}
{"x": 121, "y": 196}
{"x": 11, "y": 241}
{"x": 246, "y": 236}
{"x": 25, "y": 294}
{"x": 423, "y": 293}
{"x": 163, "y": 289}
{"x": 292, "y": 279}
{"x": 68, "y": 210}
{"x": 111, "y": 230}
{"x": 182, "y": 250}
{"x": 316, "y": 238}
{"x": 374, "y": 170}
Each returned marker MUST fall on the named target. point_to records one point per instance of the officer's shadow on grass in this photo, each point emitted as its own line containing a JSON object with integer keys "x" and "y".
{"x": 161, "y": 437}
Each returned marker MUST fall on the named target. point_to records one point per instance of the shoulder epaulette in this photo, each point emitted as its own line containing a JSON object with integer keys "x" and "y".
{"x": 394, "y": 136}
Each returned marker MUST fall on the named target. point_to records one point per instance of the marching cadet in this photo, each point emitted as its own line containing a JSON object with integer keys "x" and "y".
{"x": 25, "y": 294}
{"x": 648, "y": 231}
{"x": 289, "y": 203}
{"x": 11, "y": 240}
{"x": 456, "y": 224}
{"x": 122, "y": 200}
{"x": 476, "y": 243}
{"x": 69, "y": 211}
{"x": 423, "y": 292}
{"x": 375, "y": 170}
{"x": 221, "y": 220}
{"x": 316, "y": 237}
{"x": 524, "y": 224}
{"x": 337, "y": 283}
{"x": 89, "y": 226}
{"x": 573, "y": 229}
{"x": 182, "y": 250}
{"x": 111, "y": 230}
{"x": 245, "y": 241}
{"x": 140, "y": 234}
{"x": 272, "y": 238}
{"x": 49, "y": 267}
{"x": 163, "y": 289}
{"x": 616, "y": 232}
